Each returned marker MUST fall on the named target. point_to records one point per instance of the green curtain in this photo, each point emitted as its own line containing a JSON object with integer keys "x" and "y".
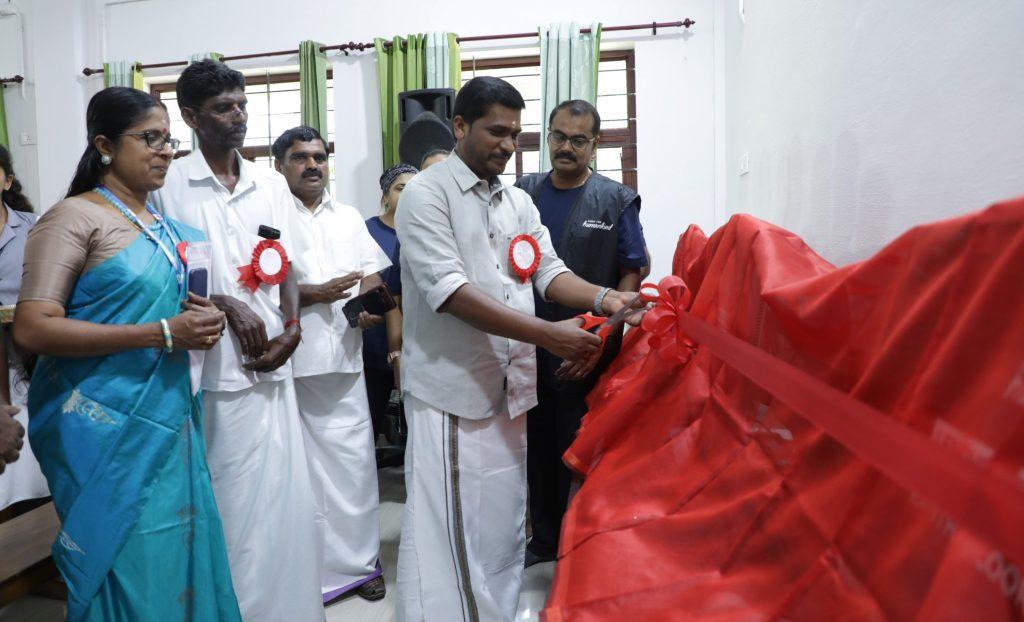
{"x": 419, "y": 61}
{"x": 568, "y": 68}
{"x": 313, "y": 86}
{"x": 123, "y": 73}
{"x": 399, "y": 68}
{"x": 3, "y": 120}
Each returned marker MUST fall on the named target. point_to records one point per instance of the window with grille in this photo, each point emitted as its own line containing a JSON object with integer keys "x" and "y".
{"x": 274, "y": 107}
{"x": 616, "y": 103}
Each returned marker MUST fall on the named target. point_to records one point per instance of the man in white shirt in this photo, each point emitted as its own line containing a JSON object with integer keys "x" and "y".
{"x": 336, "y": 252}
{"x": 253, "y": 435}
{"x": 473, "y": 249}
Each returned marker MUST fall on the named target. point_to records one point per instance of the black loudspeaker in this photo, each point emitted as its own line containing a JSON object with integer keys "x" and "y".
{"x": 425, "y": 123}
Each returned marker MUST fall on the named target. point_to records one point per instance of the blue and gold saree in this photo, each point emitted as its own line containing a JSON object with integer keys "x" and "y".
{"x": 120, "y": 440}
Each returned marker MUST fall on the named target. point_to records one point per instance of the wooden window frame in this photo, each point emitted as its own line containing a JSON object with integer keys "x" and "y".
{"x": 624, "y": 138}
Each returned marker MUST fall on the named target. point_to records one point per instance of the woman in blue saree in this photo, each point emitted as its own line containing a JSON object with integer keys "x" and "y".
{"x": 114, "y": 422}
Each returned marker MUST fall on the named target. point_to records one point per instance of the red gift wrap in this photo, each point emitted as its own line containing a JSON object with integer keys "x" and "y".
{"x": 783, "y": 439}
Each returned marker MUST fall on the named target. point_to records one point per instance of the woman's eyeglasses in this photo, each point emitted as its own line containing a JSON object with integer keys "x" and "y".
{"x": 156, "y": 140}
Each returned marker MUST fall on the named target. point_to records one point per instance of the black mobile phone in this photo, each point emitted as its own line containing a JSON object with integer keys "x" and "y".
{"x": 377, "y": 301}
{"x": 199, "y": 282}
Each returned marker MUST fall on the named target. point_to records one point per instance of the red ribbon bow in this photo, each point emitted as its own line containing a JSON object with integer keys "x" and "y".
{"x": 252, "y": 274}
{"x": 667, "y": 338}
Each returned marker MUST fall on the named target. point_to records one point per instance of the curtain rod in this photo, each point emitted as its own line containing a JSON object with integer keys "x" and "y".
{"x": 14, "y": 80}
{"x": 351, "y": 45}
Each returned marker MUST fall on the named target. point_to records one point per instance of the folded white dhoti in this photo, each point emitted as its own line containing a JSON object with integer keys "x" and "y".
{"x": 463, "y": 532}
{"x": 261, "y": 482}
{"x": 339, "y": 449}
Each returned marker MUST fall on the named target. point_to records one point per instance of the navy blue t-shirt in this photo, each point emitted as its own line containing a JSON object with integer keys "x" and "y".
{"x": 375, "y": 340}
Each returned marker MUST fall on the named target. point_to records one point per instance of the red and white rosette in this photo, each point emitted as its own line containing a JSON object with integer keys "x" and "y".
{"x": 524, "y": 256}
{"x": 269, "y": 265}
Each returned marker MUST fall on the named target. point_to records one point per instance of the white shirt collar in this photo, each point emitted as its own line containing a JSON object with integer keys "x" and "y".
{"x": 467, "y": 179}
{"x": 325, "y": 203}
{"x": 199, "y": 170}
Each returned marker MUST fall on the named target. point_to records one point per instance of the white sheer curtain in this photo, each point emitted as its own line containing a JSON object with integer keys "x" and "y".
{"x": 568, "y": 69}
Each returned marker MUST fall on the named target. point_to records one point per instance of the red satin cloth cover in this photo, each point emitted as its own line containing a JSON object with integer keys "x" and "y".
{"x": 707, "y": 498}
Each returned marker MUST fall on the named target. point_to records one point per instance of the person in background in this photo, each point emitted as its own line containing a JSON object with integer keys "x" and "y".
{"x": 473, "y": 251}
{"x": 255, "y": 445}
{"x": 382, "y": 345}
{"x": 434, "y": 156}
{"x": 24, "y": 481}
{"x": 335, "y": 251}
{"x": 115, "y": 425}
{"x": 595, "y": 228}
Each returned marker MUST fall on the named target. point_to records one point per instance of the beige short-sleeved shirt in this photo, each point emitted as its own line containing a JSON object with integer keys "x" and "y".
{"x": 71, "y": 238}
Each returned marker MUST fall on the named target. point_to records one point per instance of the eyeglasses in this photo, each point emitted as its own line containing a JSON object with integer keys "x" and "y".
{"x": 156, "y": 140}
{"x": 556, "y": 139}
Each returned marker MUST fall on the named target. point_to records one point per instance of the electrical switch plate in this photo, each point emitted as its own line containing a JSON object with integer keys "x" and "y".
{"x": 27, "y": 139}
{"x": 744, "y": 163}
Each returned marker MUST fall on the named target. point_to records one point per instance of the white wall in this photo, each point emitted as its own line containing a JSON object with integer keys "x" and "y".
{"x": 70, "y": 35}
{"x": 19, "y": 101}
{"x": 862, "y": 119}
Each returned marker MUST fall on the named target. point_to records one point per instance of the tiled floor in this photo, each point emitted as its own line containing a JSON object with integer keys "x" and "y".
{"x": 536, "y": 581}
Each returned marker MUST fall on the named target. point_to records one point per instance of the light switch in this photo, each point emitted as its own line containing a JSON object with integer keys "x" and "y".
{"x": 27, "y": 139}
{"x": 744, "y": 163}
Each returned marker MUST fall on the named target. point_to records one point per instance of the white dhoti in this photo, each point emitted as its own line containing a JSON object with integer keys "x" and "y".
{"x": 23, "y": 479}
{"x": 261, "y": 483}
{"x": 463, "y": 533}
{"x": 343, "y": 468}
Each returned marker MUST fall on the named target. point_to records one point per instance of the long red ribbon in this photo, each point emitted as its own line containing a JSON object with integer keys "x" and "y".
{"x": 988, "y": 502}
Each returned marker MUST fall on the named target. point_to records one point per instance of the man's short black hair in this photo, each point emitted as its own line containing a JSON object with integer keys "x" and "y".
{"x": 577, "y": 108}
{"x": 302, "y": 133}
{"x": 205, "y": 79}
{"x": 477, "y": 95}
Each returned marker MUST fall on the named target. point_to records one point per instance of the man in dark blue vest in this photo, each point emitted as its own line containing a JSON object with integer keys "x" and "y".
{"x": 595, "y": 227}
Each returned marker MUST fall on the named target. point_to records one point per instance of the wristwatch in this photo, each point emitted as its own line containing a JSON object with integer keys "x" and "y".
{"x": 397, "y": 354}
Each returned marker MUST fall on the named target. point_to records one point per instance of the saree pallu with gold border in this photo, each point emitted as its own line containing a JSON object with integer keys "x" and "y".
{"x": 120, "y": 440}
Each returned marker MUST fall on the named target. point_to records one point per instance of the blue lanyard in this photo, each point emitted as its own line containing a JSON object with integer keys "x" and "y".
{"x": 176, "y": 264}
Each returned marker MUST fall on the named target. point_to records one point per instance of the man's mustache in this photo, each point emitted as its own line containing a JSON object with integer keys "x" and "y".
{"x": 564, "y": 155}
{"x": 312, "y": 173}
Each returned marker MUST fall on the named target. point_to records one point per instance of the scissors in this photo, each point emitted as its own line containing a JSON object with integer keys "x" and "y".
{"x": 603, "y": 326}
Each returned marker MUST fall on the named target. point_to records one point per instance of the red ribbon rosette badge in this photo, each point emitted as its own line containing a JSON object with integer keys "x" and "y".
{"x": 269, "y": 265}
{"x": 524, "y": 255}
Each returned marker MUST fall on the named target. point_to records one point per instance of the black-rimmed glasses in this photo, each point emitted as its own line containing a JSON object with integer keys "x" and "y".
{"x": 556, "y": 139}
{"x": 156, "y": 140}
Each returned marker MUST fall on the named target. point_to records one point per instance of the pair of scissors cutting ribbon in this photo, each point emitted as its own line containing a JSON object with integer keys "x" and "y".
{"x": 603, "y": 326}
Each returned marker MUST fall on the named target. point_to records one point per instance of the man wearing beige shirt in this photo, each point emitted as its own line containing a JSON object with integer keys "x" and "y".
{"x": 469, "y": 368}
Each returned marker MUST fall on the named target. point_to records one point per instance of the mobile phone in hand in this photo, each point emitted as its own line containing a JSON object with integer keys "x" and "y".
{"x": 377, "y": 301}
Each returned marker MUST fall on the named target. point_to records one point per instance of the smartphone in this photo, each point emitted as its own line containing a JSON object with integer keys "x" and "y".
{"x": 199, "y": 282}
{"x": 199, "y": 260}
{"x": 377, "y": 301}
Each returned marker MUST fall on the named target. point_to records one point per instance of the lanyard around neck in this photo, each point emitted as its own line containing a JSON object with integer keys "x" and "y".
{"x": 176, "y": 264}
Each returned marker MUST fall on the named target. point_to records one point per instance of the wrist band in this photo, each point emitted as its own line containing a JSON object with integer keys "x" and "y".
{"x": 392, "y": 356}
{"x": 599, "y": 299}
{"x": 168, "y": 338}
{"x": 293, "y": 321}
